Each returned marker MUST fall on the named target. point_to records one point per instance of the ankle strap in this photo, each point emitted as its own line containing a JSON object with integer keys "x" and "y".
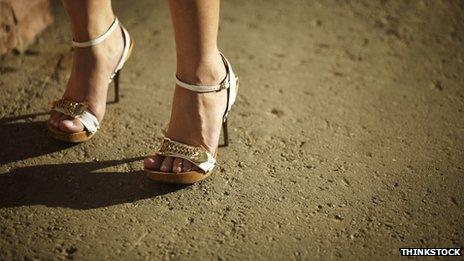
{"x": 203, "y": 88}
{"x": 99, "y": 39}
{"x": 208, "y": 88}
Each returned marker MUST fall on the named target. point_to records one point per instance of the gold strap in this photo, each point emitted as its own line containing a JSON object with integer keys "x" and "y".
{"x": 69, "y": 108}
{"x": 78, "y": 110}
{"x": 197, "y": 155}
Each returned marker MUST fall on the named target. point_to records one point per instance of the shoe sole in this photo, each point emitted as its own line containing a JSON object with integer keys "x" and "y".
{"x": 186, "y": 178}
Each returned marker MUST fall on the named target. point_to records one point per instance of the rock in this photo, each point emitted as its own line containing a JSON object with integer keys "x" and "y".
{"x": 316, "y": 23}
{"x": 438, "y": 85}
{"x": 22, "y": 21}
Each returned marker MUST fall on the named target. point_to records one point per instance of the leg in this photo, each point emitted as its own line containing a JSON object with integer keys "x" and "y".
{"x": 195, "y": 117}
{"x": 91, "y": 66}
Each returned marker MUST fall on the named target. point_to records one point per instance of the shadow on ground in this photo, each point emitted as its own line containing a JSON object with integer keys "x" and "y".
{"x": 23, "y": 139}
{"x": 77, "y": 185}
{"x": 70, "y": 185}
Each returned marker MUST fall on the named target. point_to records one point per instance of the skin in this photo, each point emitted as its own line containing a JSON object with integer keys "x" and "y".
{"x": 91, "y": 66}
{"x": 198, "y": 121}
{"x": 195, "y": 117}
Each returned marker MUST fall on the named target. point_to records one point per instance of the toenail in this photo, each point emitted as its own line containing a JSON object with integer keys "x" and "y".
{"x": 148, "y": 162}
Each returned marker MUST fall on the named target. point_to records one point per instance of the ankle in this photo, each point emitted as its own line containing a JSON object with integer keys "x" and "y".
{"x": 87, "y": 29}
{"x": 204, "y": 70}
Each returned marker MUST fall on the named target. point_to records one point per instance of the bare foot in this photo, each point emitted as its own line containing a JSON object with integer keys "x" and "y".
{"x": 196, "y": 118}
{"x": 91, "y": 69}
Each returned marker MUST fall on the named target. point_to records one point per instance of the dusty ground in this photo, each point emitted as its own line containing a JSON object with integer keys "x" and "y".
{"x": 347, "y": 140}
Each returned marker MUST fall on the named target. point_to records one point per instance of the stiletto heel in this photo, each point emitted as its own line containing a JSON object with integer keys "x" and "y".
{"x": 198, "y": 156}
{"x": 225, "y": 133}
{"x": 116, "y": 86}
{"x": 79, "y": 110}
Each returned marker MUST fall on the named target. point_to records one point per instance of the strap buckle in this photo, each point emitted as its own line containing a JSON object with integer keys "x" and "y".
{"x": 224, "y": 85}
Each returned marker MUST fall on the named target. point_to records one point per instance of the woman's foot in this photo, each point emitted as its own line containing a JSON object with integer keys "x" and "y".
{"x": 91, "y": 69}
{"x": 196, "y": 118}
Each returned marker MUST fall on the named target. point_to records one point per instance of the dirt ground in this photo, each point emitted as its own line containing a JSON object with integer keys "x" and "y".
{"x": 347, "y": 140}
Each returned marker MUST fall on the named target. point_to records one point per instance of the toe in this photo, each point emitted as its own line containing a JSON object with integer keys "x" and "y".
{"x": 54, "y": 118}
{"x": 71, "y": 126}
{"x": 59, "y": 119}
{"x": 153, "y": 163}
{"x": 177, "y": 165}
{"x": 166, "y": 165}
{"x": 186, "y": 165}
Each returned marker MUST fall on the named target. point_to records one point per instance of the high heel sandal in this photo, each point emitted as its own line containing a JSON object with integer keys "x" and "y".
{"x": 79, "y": 110}
{"x": 198, "y": 156}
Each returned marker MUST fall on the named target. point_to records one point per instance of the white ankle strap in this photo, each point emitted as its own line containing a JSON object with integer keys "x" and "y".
{"x": 230, "y": 83}
{"x": 99, "y": 39}
{"x": 202, "y": 88}
{"x": 209, "y": 88}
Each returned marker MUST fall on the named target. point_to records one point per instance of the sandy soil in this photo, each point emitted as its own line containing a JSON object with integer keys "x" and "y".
{"x": 347, "y": 140}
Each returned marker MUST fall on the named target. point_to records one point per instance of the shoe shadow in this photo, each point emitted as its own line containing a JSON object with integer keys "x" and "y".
{"x": 22, "y": 138}
{"x": 77, "y": 186}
